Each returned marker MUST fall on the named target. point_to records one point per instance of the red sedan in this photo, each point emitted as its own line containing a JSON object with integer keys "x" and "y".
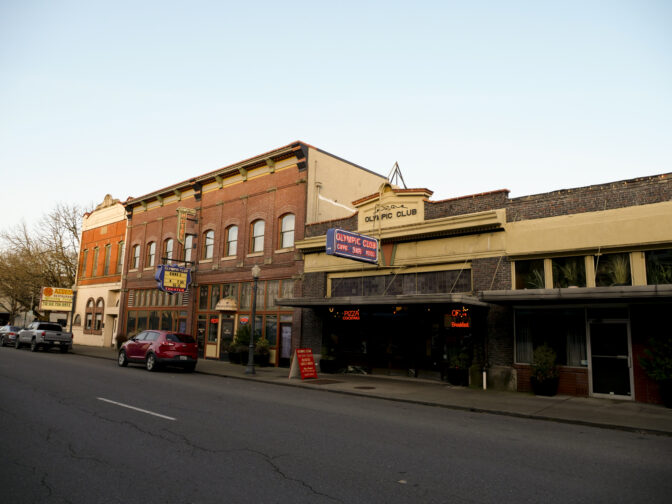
{"x": 155, "y": 348}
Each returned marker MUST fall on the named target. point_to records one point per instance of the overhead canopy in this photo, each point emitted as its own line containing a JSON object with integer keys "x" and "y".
{"x": 580, "y": 294}
{"x": 399, "y": 300}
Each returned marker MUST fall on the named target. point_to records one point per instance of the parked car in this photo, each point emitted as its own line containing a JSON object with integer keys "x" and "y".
{"x": 8, "y": 335}
{"x": 44, "y": 335}
{"x": 155, "y": 348}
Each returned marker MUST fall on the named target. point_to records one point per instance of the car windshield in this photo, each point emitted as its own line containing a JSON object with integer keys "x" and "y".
{"x": 179, "y": 338}
{"x": 50, "y": 327}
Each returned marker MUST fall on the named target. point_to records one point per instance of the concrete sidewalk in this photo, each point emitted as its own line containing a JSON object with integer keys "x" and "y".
{"x": 605, "y": 413}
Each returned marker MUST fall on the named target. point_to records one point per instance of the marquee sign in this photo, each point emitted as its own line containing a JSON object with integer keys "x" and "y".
{"x": 352, "y": 246}
{"x": 172, "y": 279}
{"x": 182, "y": 216}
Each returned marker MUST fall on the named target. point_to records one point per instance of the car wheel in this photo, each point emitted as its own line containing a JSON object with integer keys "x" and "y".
{"x": 151, "y": 363}
{"x": 33, "y": 346}
{"x": 122, "y": 360}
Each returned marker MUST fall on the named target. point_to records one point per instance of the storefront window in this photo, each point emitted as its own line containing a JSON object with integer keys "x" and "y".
{"x": 142, "y": 321}
{"x": 530, "y": 274}
{"x": 130, "y": 324}
{"x": 245, "y": 296}
{"x": 153, "y": 320}
{"x": 272, "y": 329}
{"x": 569, "y": 272}
{"x": 564, "y": 330}
{"x": 213, "y": 324}
{"x": 659, "y": 267}
{"x": 166, "y": 320}
{"x": 272, "y": 287}
{"x": 612, "y": 269}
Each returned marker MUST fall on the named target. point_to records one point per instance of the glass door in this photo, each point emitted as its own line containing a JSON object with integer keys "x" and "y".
{"x": 610, "y": 358}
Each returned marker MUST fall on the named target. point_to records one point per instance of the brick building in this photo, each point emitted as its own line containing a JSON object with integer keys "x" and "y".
{"x": 98, "y": 282}
{"x": 481, "y": 281}
{"x": 246, "y": 214}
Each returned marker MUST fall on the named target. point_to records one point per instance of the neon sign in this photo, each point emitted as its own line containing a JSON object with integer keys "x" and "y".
{"x": 460, "y": 317}
{"x": 352, "y": 246}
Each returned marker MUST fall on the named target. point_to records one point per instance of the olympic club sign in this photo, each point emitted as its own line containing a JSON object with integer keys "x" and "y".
{"x": 351, "y": 245}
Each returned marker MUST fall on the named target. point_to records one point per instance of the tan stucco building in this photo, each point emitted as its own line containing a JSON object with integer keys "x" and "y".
{"x": 477, "y": 283}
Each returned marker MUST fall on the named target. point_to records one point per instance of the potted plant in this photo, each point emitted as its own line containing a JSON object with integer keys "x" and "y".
{"x": 262, "y": 352}
{"x": 545, "y": 375}
{"x": 657, "y": 363}
{"x": 618, "y": 268}
{"x": 458, "y": 367}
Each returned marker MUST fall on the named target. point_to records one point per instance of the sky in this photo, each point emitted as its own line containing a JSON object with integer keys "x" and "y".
{"x": 127, "y": 97}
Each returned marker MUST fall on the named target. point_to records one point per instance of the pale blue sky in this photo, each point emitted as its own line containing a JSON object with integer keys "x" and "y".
{"x": 126, "y": 97}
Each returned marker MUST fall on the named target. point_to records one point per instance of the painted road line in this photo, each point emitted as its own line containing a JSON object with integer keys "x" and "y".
{"x": 136, "y": 409}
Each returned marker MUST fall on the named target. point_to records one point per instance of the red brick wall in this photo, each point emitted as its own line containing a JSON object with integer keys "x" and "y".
{"x": 573, "y": 381}
{"x": 99, "y": 237}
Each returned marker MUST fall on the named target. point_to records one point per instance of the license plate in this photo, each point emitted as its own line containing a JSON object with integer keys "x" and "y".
{"x": 183, "y": 357}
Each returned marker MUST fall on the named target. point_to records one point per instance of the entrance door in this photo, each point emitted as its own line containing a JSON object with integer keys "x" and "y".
{"x": 226, "y": 335}
{"x": 610, "y": 358}
{"x": 285, "y": 344}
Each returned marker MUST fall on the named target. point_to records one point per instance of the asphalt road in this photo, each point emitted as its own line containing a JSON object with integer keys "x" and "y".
{"x": 75, "y": 429}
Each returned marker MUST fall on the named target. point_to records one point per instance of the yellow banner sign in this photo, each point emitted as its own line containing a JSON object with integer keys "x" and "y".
{"x": 56, "y": 299}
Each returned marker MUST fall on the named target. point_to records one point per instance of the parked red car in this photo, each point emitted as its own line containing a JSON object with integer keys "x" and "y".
{"x": 155, "y": 348}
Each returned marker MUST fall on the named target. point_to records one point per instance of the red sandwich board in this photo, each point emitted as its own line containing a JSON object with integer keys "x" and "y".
{"x": 306, "y": 363}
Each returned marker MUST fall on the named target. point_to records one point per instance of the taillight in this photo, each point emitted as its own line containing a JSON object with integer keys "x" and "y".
{"x": 43, "y": 333}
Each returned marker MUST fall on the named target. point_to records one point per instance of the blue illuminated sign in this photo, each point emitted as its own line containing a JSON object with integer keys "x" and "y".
{"x": 352, "y": 246}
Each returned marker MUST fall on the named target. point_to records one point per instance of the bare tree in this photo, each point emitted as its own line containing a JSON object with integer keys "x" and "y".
{"x": 45, "y": 256}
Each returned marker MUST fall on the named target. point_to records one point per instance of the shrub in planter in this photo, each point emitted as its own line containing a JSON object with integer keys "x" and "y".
{"x": 262, "y": 352}
{"x": 545, "y": 375}
{"x": 657, "y": 363}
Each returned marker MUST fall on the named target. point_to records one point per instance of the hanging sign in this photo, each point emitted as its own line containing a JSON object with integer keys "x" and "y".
{"x": 352, "y": 245}
{"x": 170, "y": 278}
{"x": 182, "y": 215}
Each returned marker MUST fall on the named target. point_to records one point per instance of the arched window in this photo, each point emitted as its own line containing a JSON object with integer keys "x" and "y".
{"x": 188, "y": 247}
{"x": 78, "y": 320}
{"x": 208, "y": 244}
{"x": 257, "y": 236}
{"x": 135, "y": 262}
{"x": 98, "y": 319}
{"x": 88, "y": 317}
{"x": 168, "y": 249}
{"x": 151, "y": 255}
{"x": 286, "y": 231}
{"x": 231, "y": 240}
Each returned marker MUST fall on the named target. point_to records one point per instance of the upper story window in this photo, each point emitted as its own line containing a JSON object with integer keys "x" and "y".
{"x": 94, "y": 272}
{"x": 231, "y": 240}
{"x": 257, "y": 236}
{"x": 151, "y": 255}
{"x": 569, "y": 272}
{"x": 120, "y": 255}
{"x": 168, "y": 249}
{"x": 106, "y": 264}
{"x": 530, "y": 274}
{"x": 208, "y": 244}
{"x": 287, "y": 231}
{"x": 85, "y": 256}
{"x": 135, "y": 262}
{"x": 659, "y": 267}
{"x": 188, "y": 247}
{"x": 612, "y": 269}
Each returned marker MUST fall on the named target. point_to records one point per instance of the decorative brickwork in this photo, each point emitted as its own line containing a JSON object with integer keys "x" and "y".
{"x": 626, "y": 193}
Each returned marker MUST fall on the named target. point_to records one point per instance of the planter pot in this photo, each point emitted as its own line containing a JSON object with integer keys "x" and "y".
{"x": 546, "y": 388}
{"x": 262, "y": 359}
{"x": 458, "y": 376}
{"x": 665, "y": 389}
